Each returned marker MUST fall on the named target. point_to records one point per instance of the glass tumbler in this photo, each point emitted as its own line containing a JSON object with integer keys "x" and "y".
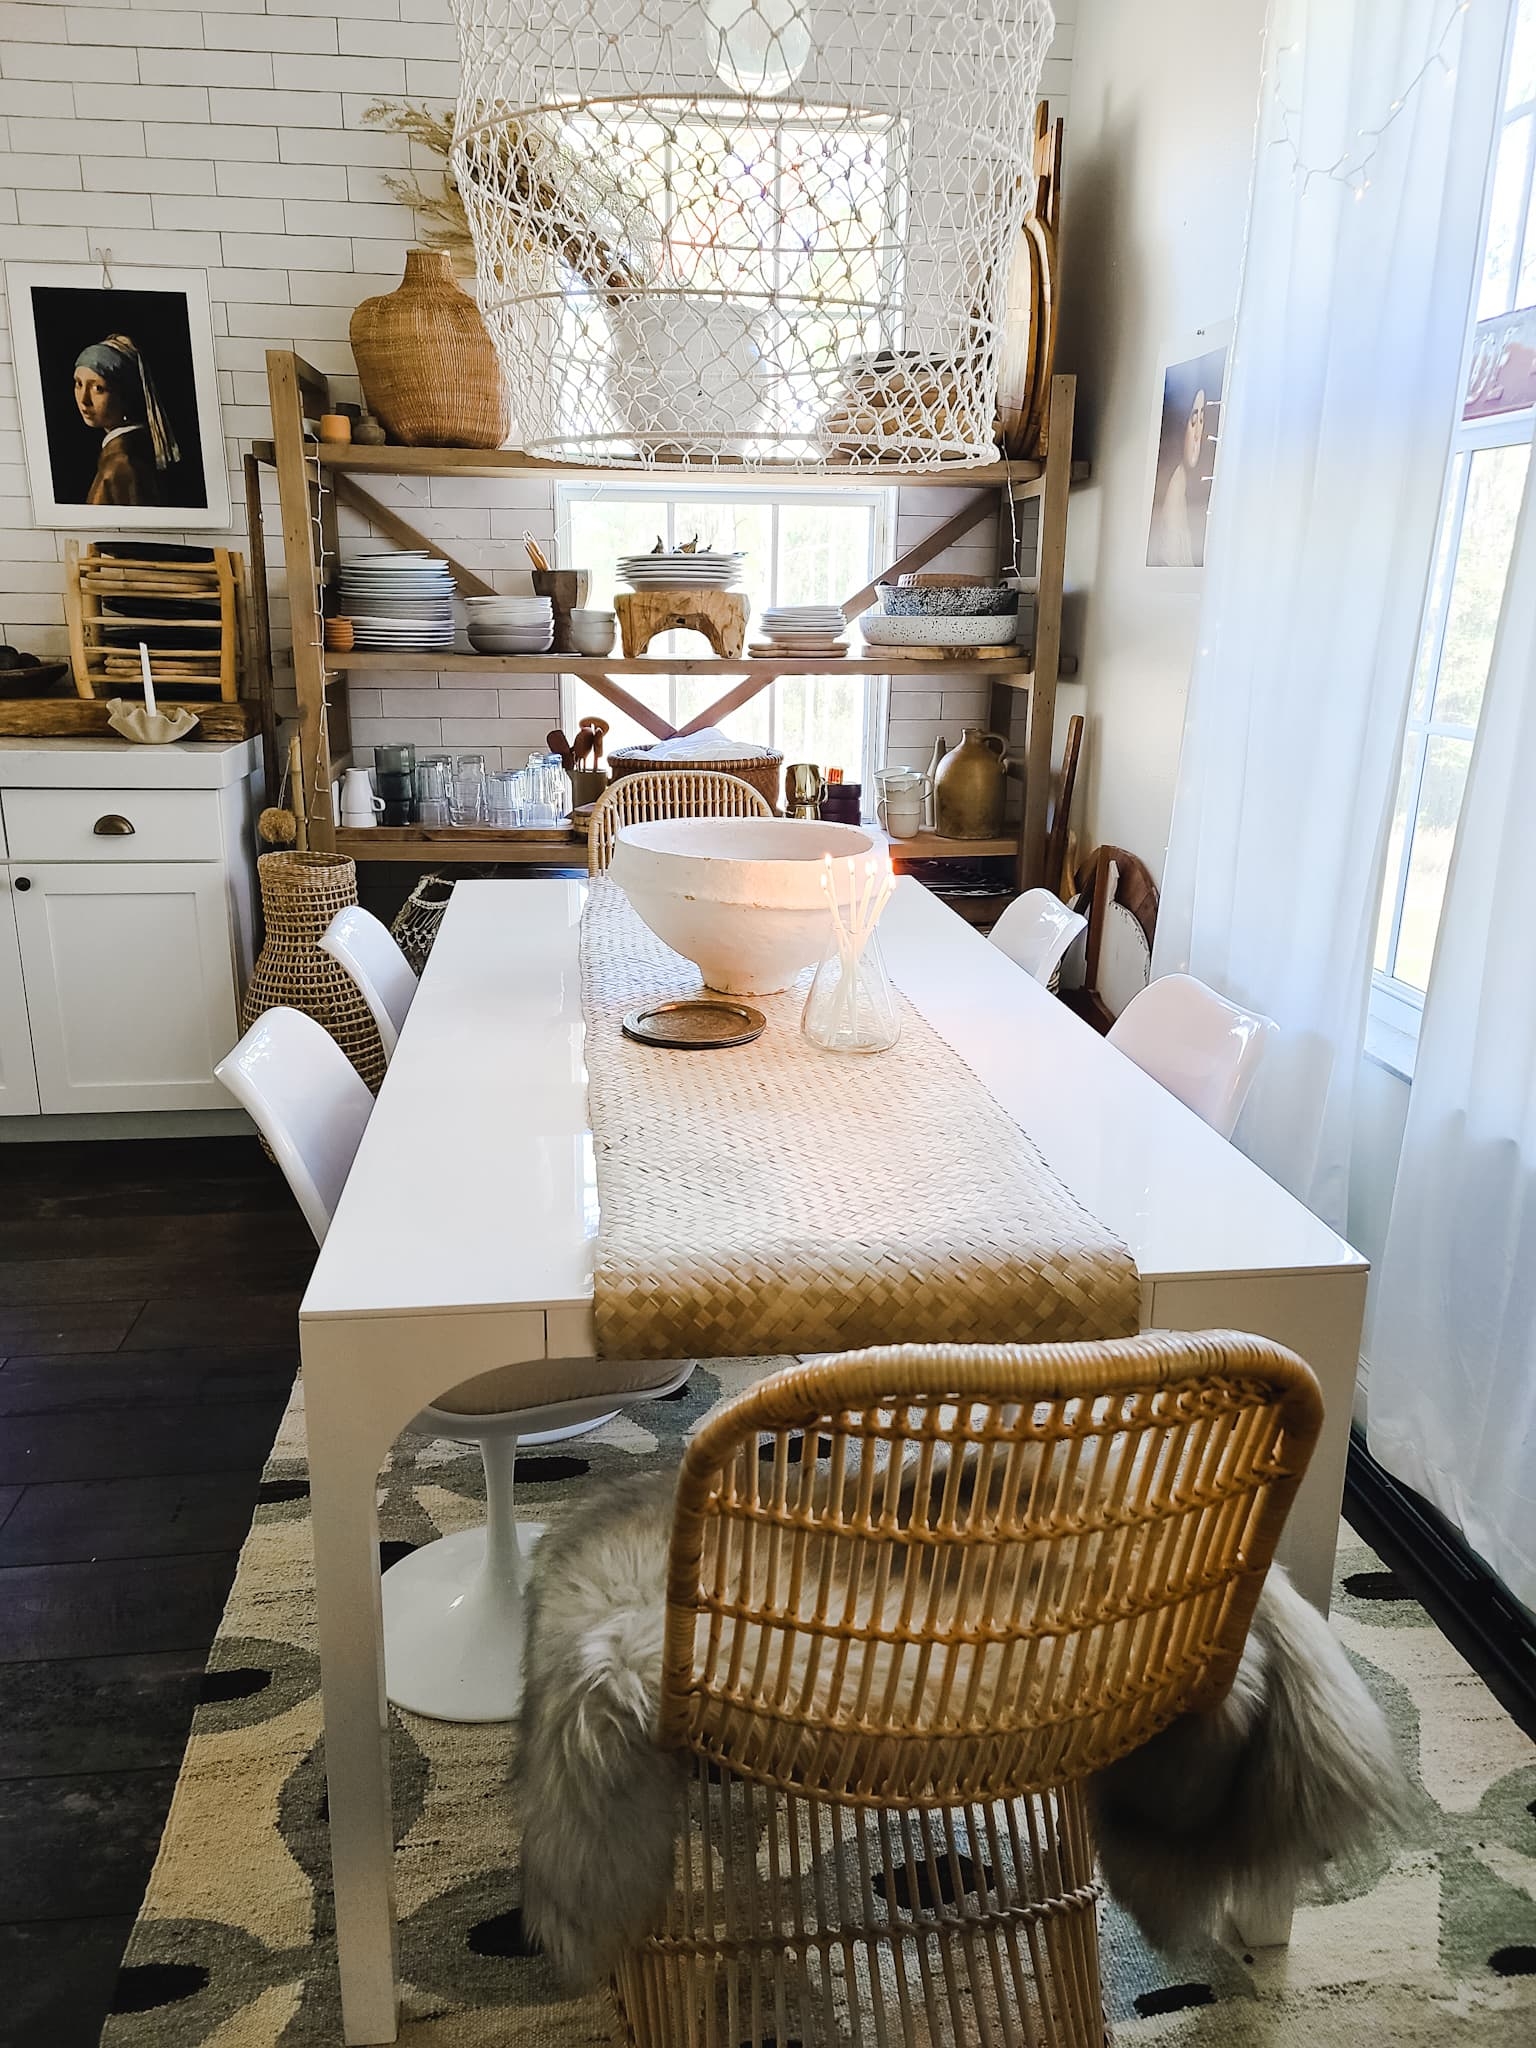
{"x": 467, "y": 804}
{"x": 434, "y": 790}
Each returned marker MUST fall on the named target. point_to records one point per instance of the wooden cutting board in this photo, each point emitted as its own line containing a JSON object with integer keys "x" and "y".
{"x": 72, "y": 718}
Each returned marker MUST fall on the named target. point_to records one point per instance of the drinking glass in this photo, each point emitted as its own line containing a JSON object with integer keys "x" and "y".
{"x": 467, "y": 804}
{"x": 434, "y": 790}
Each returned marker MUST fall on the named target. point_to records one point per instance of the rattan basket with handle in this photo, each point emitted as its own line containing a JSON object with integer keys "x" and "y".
{"x": 763, "y": 770}
{"x": 300, "y": 894}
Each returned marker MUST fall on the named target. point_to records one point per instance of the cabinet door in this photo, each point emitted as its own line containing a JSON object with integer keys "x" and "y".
{"x": 130, "y": 984}
{"x": 18, "y": 1081}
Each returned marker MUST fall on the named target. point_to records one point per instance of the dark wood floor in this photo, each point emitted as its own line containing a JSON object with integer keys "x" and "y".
{"x": 148, "y": 1297}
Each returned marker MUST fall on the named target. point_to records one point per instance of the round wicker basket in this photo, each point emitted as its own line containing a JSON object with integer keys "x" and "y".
{"x": 300, "y": 894}
{"x": 427, "y": 366}
{"x": 763, "y": 770}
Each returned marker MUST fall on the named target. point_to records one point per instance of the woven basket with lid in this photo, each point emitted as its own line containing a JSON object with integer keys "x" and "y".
{"x": 427, "y": 366}
{"x": 300, "y": 894}
{"x": 763, "y": 769}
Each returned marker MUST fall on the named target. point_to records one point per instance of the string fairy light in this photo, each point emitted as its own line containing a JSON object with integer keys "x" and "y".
{"x": 1351, "y": 167}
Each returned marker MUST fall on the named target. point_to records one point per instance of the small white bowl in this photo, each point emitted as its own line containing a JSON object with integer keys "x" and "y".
{"x": 740, "y": 897}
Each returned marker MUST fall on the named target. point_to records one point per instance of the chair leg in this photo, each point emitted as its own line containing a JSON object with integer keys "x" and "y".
{"x": 453, "y": 1610}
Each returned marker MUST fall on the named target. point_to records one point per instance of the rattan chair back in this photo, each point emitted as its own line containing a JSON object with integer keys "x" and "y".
{"x": 667, "y": 793}
{"x": 915, "y": 1576}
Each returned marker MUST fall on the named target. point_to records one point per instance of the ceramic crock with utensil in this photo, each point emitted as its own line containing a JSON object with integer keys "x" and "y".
{"x": 971, "y": 786}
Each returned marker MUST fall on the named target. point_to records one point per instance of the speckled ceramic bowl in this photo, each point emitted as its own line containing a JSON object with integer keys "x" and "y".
{"x": 945, "y": 600}
{"x": 953, "y": 630}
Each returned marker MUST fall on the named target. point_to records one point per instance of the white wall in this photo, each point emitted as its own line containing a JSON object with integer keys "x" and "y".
{"x": 1164, "y": 101}
{"x": 225, "y": 136}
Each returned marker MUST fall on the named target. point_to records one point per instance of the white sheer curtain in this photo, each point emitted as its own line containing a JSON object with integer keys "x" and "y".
{"x": 1333, "y": 443}
{"x": 1453, "y": 1336}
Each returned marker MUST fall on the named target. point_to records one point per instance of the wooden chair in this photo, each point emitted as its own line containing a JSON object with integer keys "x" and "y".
{"x": 915, "y": 1597}
{"x": 667, "y": 793}
{"x": 1120, "y": 897}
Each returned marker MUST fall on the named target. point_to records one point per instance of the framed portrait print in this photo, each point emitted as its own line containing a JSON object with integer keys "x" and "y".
{"x": 119, "y": 396}
{"x": 1188, "y": 429}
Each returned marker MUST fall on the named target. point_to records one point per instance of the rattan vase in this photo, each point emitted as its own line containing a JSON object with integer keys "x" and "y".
{"x": 427, "y": 366}
{"x": 300, "y": 894}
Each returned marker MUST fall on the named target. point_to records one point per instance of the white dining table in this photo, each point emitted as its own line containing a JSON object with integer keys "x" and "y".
{"x": 465, "y": 1240}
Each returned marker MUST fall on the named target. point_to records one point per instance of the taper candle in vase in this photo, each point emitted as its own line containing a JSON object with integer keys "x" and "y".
{"x": 851, "y": 1007}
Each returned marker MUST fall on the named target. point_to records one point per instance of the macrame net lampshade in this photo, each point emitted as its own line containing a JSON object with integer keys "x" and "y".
{"x": 752, "y": 230}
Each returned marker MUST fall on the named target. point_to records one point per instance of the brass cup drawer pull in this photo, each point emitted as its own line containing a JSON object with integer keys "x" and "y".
{"x": 112, "y": 826}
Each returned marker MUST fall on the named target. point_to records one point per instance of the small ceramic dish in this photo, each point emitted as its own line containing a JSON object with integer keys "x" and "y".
{"x": 927, "y": 600}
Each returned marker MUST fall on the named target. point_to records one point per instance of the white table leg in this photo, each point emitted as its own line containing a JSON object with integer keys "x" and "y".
{"x": 365, "y": 1379}
{"x": 344, "y": 1465}
{"x": 1319, "y": 1316}
{"x": 1263, "y": 1923}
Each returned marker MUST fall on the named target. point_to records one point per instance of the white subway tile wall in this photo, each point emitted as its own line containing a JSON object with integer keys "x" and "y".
{"x": 225, "y": 136}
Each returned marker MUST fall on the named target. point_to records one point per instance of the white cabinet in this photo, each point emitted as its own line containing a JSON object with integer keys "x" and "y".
{"x": 126, "y": 923}
{"x": 18, "y": 1077}
{"x": 129, "y": 983}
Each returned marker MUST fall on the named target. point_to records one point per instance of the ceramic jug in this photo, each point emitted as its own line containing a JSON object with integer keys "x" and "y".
{"x": 971, "y": 785}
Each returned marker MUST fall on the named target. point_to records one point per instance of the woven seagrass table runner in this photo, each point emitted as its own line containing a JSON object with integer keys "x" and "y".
{"x": 775, "y": 1198}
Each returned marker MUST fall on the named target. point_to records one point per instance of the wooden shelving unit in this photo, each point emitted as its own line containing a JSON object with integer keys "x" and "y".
{"x": 314, "y": 479}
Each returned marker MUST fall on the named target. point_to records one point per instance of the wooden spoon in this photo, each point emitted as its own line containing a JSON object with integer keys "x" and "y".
{"x": 559, "y": 744}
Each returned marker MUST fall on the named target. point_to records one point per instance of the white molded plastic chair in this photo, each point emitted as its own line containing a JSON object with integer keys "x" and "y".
{"x": 1036, "y": 931}
{"x": 453, "y": 1609}
{"x": 384, "y": 977}
{"x": 1196, "y": 1044}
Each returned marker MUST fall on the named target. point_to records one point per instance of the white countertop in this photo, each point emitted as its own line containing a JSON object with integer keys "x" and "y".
{"x": 95, "y": 762}
{"x": 475, "y": 1186}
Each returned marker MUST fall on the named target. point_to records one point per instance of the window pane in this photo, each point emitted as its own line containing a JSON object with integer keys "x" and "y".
{"x": 1494, "y": 490}
{"x": 1439, "y": 588}
{"x": 1522, "y": 68}
{"x": 1506, "y": 221}
{"x": 1434, "y": 833}
{"x": 824, "y": 553}
{"x": 1395, "y": 842}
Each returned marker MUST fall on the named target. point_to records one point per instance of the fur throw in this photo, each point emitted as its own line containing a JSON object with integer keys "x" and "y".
{"x": 1293, "y": 1770}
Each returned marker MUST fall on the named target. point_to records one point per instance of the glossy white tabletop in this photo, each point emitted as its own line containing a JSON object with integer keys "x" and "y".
{"x": 474, "y": 1185}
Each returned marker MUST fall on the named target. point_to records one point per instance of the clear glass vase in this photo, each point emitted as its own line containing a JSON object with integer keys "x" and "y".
{"x": 851, "y": 1007}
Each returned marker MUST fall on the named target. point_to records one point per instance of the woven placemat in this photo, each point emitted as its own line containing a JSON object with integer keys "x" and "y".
{"x": 775, "y": 1199}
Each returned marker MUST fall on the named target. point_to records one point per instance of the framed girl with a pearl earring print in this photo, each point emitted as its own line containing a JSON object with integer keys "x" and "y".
{"x": 119, "y": 396}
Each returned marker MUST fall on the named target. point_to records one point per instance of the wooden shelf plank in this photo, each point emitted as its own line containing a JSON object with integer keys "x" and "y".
{"x": 932, "y": 846}
{"x": 396, "y": 461}
{"x": 1013, "y": 672}
{"x": 433, "y": 845}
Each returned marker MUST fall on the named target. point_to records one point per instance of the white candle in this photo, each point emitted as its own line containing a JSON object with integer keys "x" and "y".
{"x": 149, "y": 681}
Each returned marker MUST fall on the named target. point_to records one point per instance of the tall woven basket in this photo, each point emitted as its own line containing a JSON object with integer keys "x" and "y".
{"x": 300, "y": 894}
{"x": 427, "y": 366}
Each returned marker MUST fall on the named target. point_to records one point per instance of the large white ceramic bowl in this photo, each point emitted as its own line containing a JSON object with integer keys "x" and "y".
{"x": 740, "y": 897}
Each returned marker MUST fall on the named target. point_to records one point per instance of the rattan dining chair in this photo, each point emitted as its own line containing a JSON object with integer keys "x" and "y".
{"x": 667, "y": 793}
{"x": 915, "y": 1597}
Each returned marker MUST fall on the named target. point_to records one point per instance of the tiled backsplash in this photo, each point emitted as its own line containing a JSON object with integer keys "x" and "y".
{"x": 230, "y": 138}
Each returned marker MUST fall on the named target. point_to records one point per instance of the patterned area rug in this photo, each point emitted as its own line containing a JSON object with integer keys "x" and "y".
{"x": 234, "y": 1945}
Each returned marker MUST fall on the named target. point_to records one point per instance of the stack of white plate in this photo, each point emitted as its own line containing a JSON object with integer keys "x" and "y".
{"x": 510, "y": 625}
{"x": 802, "y": 629}
{"x": 398, "y": 600}
{"x": 681, "y": 572}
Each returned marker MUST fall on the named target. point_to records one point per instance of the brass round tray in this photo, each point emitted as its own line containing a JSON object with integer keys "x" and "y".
{"x": 695, "y": 1024}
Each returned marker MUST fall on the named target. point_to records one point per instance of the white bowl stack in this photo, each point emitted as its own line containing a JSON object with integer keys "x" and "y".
{"x": 802, "y": 630}
{"x": 511, "y": 625}
{"x": 701, "y": 571}
{"x": 401, "y": 601}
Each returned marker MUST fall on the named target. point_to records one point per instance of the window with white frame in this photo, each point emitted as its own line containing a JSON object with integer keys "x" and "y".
{"x": 802, "y": 547}
{"x": 1483, "y": 489}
